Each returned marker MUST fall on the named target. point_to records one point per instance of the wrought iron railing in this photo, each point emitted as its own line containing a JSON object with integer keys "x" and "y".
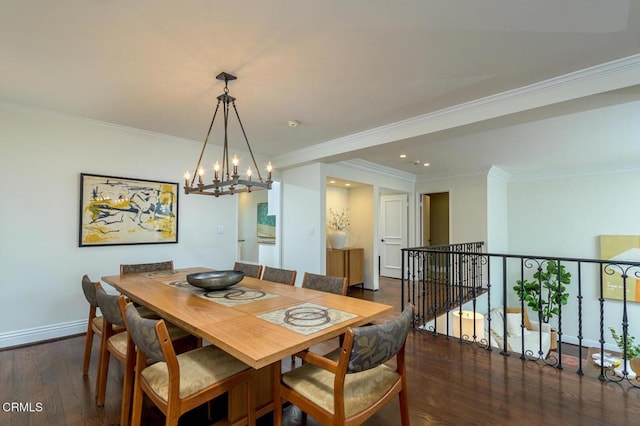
{"x": 461, "y": 278}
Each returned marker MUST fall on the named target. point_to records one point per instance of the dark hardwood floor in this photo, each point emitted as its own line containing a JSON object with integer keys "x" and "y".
{"x": 449, "y": 384}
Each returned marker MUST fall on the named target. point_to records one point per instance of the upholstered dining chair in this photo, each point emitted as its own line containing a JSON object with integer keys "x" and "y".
{"x": 145, "y": 267}
{"x": 249, "y": 270}
{"x": 179, "y": 383}
{"x": 135, "y": 268}
{"x": 277, "y": 275}
{"x": 336, "y": 285}
{"x": 94, "y": 322}
{"x": 326, "y": 283}
{"x": 116, "y": 344}
{"x": 349, "y": 385}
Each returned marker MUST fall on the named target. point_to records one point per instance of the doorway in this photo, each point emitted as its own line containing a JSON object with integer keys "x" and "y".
{"x": 435, "y": 219}
{"x": 393, "y": 218}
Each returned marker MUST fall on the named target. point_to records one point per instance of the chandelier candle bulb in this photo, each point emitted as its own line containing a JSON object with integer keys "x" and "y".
{"x": 269, "y": 168}
{"x": 216, "y": 169}
{"x": 235, "y": 165}
{"x": 249, "y": 173}
{"x": 186, "y": 179}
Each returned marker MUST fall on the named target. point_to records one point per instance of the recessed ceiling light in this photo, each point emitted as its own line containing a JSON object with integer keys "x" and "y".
{"x": 332, "y": 181}
{"x": 347, "y": 184}
{"x": 426, "y": 164}
{"x": 403, "y": 155}
{"x": 294, "y": 123}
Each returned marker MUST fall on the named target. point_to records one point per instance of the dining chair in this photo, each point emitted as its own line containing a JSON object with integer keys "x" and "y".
{"x": 94, "y": 322}
{"x": 116, "y": 344}
{"x": 326, "y": 283}
{"x": 350, "y": 384}
{"x": 329, "y": 284}
{"x": 134, "y": 268}
{"x": 249, "y": 270}
{"x": 277, "y": 275}
{"x": 178, "y": 383}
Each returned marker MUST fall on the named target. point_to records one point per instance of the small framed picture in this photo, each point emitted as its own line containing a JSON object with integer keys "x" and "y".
{"x": 266, "y": 223}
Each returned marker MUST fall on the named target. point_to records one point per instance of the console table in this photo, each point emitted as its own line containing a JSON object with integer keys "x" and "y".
{"x": 347, "y": 262}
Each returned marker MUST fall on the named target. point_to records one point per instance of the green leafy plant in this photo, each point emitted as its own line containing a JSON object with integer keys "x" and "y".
{"x": 633, "y": 349}
{"x": 546, "y": 291}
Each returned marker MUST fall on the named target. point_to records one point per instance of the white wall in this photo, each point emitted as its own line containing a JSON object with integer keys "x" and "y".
{"x": 41, "y": 157}
{"x": 303, "y": 225}
{"x": 247, "y": 223}
{"x": 497, "y": 226}
{"x": 564, "y": 217}
{"x": 467, "y": 206}
{"x": 362, "y": 206}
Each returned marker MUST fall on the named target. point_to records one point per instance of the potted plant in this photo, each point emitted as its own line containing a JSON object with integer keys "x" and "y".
{"x": 338, "y": 224}
{"x": 546, "y": 291}
{"x": 631, "y": 356}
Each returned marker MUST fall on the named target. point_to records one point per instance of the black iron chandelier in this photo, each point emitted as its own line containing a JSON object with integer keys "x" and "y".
{"x": 226, "y": 180}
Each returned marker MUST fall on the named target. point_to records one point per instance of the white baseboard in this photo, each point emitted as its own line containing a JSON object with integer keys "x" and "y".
{"x": 38, "y": 334}
{"x": 589, "y": 343}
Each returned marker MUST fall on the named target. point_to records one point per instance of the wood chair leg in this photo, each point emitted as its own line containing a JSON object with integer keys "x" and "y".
{"x": 87, "y": 349}
{"x": 172, "y": 417}
{"x": 404, "y": 407}
{"x": 136, "y": 411}
{"x": 103, "y": 370}
{"x": 127, "y": 390}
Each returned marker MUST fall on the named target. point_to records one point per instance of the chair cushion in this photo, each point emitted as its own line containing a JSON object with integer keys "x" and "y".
{"x": 119, "y": 343}
{"x": 361, "y": 390}
{"x": 199, "y": 369}
{"x": 98, "y": 324}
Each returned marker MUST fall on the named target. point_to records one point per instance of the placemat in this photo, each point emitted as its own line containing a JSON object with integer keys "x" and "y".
{"x": 232, "y": 296}
{"x": 306, "y": 318}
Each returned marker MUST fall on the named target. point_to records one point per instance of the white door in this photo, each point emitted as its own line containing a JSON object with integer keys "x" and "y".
{"x": 393, "y": 234}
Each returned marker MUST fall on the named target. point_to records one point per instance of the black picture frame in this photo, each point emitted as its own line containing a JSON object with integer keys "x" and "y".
{"x": 118, "y": 210}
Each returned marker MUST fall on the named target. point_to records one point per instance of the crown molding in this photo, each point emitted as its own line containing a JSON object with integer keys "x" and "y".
{"x": 589, "y": 81}
{"x": 433, "y": 177}
{"x": 592, "y": 171}
{"x": 499, "y": 174}
{"x": 370, "y": 167}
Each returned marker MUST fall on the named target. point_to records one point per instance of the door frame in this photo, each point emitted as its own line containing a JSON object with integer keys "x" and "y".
{"x": 421, "y": 215}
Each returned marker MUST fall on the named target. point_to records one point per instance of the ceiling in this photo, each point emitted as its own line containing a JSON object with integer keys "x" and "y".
{"x": 366, "y": 79}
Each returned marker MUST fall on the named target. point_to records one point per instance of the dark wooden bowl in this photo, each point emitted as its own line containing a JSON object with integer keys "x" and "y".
{"x": 215, "y": 280}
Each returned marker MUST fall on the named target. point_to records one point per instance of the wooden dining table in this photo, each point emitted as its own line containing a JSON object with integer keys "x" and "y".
{"x": 259, "y": 322}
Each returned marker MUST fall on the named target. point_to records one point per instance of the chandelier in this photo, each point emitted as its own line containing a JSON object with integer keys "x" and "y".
{"x": 226, "y": 180}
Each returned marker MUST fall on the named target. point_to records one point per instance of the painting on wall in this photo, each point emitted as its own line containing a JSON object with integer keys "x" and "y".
{"x": 266, "y": 223}
{"x": 621, "y": 248}
{"x": 117, "y": 211}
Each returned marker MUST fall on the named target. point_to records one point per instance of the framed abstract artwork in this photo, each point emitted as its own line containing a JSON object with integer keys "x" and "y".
{"x": 266, "y": 223}
{"x": 117, "y": 211}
